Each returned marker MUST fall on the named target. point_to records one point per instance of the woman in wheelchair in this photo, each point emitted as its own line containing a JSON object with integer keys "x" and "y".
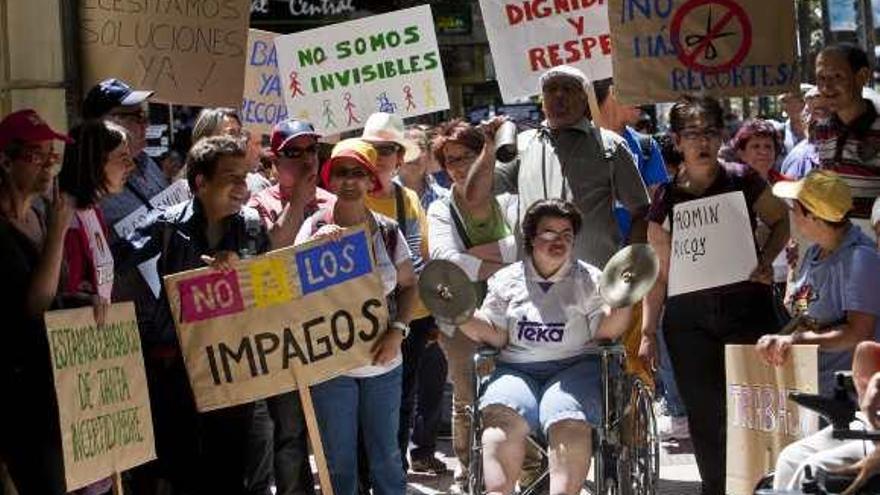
{"x": 542, "y": 313}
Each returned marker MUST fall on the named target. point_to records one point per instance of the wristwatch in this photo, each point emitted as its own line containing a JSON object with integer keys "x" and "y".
{"x": 399, "y": 325}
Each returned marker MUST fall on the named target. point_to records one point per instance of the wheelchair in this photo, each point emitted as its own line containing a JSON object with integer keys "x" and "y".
{"x": 626, "y": 448}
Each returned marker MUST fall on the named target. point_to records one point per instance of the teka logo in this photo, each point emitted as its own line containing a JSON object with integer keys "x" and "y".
{"x": 534, "y": 331}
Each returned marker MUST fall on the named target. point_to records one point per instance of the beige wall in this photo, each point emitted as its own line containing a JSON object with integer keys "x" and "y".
{"x": 31, "y": 59}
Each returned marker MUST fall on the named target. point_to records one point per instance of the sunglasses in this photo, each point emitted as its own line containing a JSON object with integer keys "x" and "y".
{"x": 708, "y": 133}
{"x": 349, "y": 173}
{"x": 294, "y": 152}
{"x": 136, "y": 117}
{"x": 387, "y": 149}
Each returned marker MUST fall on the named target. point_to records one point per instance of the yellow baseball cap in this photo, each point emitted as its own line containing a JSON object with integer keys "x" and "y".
{"x": 822, "y": 192}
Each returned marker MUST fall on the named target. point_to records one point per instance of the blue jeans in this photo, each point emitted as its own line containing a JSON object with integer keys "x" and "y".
{"x": 344, "y": 403}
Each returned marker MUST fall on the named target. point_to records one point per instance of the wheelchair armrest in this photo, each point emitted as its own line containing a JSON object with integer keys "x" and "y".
{"x": 606, "y": 347}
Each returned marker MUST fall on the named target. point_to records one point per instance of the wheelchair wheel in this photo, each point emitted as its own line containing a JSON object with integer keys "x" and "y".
{"x": 640, "y": 456}
{"x": 475, "y": 464}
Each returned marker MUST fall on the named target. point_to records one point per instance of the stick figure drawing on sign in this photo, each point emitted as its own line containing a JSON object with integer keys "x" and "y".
{"x": 410, "y": 101}
{"x": 385, "y": 103}
{"x": 350, "y": 107}
{"x": 328, "y": 115}
{"x": 294, "y": 85}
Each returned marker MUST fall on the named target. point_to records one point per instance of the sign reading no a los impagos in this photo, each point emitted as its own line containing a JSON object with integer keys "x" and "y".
{"x": 527, "y": 38}
{"x": 319, "y": 307}
{"x": 336, "y": 76}
{"x": 665, "y": 48}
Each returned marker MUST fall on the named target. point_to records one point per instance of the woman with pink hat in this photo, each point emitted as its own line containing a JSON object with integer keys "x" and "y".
{"x": 366, "y": 399}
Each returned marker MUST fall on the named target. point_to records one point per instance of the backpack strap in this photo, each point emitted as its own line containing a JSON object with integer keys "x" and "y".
{"x": 457, "y": 220}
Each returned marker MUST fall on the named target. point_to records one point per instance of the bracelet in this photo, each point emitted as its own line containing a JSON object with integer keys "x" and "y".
{"x": 399, "y": 325}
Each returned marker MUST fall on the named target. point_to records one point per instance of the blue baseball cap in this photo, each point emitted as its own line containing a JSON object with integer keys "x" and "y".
{"x": 109, "y": 94}
{"x": 287, "y": 130}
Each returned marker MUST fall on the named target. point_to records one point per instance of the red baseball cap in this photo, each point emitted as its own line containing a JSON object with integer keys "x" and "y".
{"x": 26, "y": 125}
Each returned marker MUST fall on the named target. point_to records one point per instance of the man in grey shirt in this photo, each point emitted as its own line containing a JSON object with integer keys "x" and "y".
{"x": 570, "y": 158}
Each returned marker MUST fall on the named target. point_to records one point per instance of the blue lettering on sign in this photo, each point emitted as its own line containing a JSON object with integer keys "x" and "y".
{"x": 258, "y": 112}
{"x": 263, "y": 54}
{"x": 333, "y": 263}
{"x": 745, "y": 76}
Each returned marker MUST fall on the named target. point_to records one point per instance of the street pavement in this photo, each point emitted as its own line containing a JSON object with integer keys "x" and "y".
{"x": 678, "y": 472}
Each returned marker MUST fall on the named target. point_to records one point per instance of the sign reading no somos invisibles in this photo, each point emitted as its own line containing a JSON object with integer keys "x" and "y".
{"x": 665, "y": 48}
{"x": 336, "y": 76}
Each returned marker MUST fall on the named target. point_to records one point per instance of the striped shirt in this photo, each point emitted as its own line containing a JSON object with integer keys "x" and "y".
{"x": 853, "y": 151}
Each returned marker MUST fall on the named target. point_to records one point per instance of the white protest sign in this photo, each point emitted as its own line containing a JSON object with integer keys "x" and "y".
{"x": 336, "y": 76}
{"x": 712, "y": 243}
{"x": 262, "y": 106}
{"x": 170, "y": 196}
{"x": 527, "y": 38}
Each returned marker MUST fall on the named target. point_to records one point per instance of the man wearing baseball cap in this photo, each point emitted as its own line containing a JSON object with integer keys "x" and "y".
{"x": 836, "y": 287}
{"x": 115, "y": 100}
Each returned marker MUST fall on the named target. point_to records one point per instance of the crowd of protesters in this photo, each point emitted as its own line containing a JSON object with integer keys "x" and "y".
{"x": 533, "y": 235}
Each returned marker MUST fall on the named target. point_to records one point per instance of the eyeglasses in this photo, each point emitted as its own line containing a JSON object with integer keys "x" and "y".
{"x": 139, "y": 117}
{"x": 708, "y": 133}
{"x": 458, "y": 161}
{"x": 294, "y": 152}
{"x": 553, "y": 236}
{"x": 349, "y": 173}
{"x": 387, "y": 149}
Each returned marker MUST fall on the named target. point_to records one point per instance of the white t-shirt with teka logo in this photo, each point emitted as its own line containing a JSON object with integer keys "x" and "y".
{"x": 546, "y": 319}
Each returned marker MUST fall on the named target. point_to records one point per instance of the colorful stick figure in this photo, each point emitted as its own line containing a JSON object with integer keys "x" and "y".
{"x": 294, "y": 85}
{"x": 410, "y": 101}
{"x": 385, "y": 103}
{"x": 429, "y": 93}
{"x": 328, "y": 115}
{"x": 350, "y": 107}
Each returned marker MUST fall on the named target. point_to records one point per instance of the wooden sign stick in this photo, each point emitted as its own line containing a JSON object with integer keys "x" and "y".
{"x": 117, "y": 483}
{"x": 305, "y": 397}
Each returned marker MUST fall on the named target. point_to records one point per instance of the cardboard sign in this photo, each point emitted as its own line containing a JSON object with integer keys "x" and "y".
{"x": 527, "y": 38}
{"x": 713, "y": 47}
{"x": 103, "y": 402}
{"x": 318, "y": 306}
{"x": 263, "y": 105}
{"x": 761, "y": 420}
{"x": 712, "y": 243}
{"x": 190, "y": 53}
{"x": 336, "y": 76}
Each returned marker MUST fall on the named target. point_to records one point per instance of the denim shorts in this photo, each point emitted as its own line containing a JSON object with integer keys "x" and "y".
{"x": 546, "y": 392}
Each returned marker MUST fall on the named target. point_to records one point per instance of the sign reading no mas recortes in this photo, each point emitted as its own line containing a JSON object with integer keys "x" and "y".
{"x": 664, "y": 48}
{"x": 318, "y": 307}
{"x": 103, "y": 403}
{"x": 336, "y": 76}
{"x": 529, "y": 37}
{"x": 712, "y": 243}
{"x": 190, "y": 52}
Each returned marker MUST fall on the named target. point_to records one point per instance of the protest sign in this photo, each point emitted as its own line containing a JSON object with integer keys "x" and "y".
{"x": 663, "y": 49}
{"x": 190, "y": 53}
{"x": 178, "y": 192}
{"x": 712, "y": 243}
{"x": 527, "y": 38}
{"x": 103, "y": 402}
{"x": 263, "y": 106}
{"x": 761, "y": 420}
{"x": 336, "y": 76}
{"x": 318, "y": 306}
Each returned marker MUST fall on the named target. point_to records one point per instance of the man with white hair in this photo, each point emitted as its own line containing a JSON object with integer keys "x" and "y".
{"x": 570, "y": 158}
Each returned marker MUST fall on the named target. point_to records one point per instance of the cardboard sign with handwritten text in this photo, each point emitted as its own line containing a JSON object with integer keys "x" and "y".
{"x": 190, "y": 53}
{"x": 103, "y": 402}
{"x": 761, "y": 420}
{"x": 262, "y": 106}
{"x": 663, "y": 49}
{"x": 318, "y": 306}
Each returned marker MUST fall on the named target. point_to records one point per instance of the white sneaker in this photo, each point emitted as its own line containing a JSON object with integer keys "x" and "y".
{"x": 674, "y": 428}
